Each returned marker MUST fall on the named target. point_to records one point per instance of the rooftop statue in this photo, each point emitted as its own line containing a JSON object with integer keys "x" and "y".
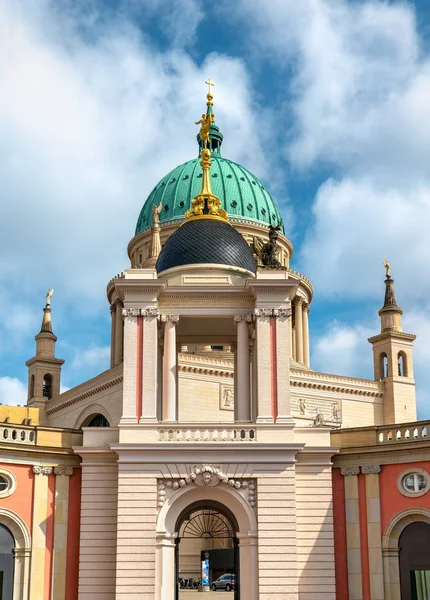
{"x": 206, "y": 122}
{"x": 156, "y": 213}
{"x": 387, "y": 268}
{"x": 48, "y": 297}
{"x": 267, "y": 253}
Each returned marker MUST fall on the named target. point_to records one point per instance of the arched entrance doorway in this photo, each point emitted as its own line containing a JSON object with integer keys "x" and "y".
{"x": 207, "y": 550}
{"x": 176, "y": 505}
{"x": 414, "y": 556}
{"x": 7, "y": 546}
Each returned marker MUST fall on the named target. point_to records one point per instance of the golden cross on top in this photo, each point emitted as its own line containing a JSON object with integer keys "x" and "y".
{"x": 209, "y": 83}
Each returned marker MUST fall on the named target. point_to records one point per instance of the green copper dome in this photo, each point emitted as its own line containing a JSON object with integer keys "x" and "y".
{"x": 242, "y": 195}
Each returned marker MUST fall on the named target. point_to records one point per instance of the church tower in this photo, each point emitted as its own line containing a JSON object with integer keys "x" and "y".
{"x": 392, "y": 357}
{"x": 44, "y": 370}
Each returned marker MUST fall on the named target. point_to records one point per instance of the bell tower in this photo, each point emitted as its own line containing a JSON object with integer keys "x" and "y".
{"x": 393, "y": 361}
{"x": 44, "y": 370}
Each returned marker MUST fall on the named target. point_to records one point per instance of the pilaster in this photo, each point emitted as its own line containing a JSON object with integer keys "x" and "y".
{"x": 374, "y": 534}
{"x": 61, "y": 509}
{"x": 39, "y": 539}
{"x": 353, "y": 541}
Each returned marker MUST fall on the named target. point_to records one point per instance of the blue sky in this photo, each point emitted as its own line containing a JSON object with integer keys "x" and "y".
{"x": 326, "y": 101}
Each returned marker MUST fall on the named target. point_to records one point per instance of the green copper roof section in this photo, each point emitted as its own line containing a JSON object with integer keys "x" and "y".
{"x": 242, "y": 194}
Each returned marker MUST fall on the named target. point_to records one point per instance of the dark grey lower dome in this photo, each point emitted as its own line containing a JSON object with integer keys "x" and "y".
{"x": 205, "y": 241}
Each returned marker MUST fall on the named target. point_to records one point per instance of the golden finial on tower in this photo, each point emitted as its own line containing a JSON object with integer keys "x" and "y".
{"x": 206, "y": 205}
{"x": 209, "y": 96}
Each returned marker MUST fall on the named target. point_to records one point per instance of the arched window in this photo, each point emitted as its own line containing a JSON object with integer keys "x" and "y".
{"x": 47, "y": 386}
{"x": 98, "y": 421}
{"x": 31, "y": 389}
{"x": 402, "y": 364}
{"x": 7, "y": 545}
{"x": 383, "y": 367}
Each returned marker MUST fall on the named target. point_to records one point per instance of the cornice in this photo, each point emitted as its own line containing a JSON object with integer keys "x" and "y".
{"x": 89, "y": 388}
{"x": 333, "y": 383}
{"x": 410, "y": 337}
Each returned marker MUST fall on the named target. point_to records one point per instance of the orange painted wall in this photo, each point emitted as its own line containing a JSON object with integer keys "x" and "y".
{"x": 21, "y": 501}
{"x": 392, "y": 501}
{"x": 73, "y": 531}
{"x": 339, "y": 525}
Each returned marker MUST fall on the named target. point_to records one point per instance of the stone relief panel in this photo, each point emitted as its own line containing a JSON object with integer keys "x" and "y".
{"x": 209, "y": 476}
{"x": 226, "y": 397}
{"x": 318, "y": 409}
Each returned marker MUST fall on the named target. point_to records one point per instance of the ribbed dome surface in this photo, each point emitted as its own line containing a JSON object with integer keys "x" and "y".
{"x": 242, "y": 195}
{"x": 205, "y": 241}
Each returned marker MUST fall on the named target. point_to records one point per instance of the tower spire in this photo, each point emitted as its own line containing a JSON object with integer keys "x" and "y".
{"x": 390, "y": 313}
{"x": 206, "y": 205}
{"x": 46, "y": 321}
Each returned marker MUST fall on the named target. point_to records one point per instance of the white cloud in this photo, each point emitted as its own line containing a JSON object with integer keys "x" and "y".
{"x": 12, "y": 391}
{"x": 95, "y": 356}
{"x": 89, "y": 123}
{"x": 344, "y": 350}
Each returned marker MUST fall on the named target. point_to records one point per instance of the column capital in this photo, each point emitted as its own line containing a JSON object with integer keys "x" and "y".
{"x": 63, "y": 471}
{"x": 246, "y": 318}
{"x": 345, "y": 471}
{"x": 150, "y": 311}
{"x": 298, "y": 301}
{"x": 171, "y": 318}
{"x": 272, "y": 312}
{"x": 306, "y": 309}
{"x": 40, "y": 470}
{"x": 371, "y": 469}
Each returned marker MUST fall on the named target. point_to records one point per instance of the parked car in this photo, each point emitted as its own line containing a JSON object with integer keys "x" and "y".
{"x": 225, "y": 582}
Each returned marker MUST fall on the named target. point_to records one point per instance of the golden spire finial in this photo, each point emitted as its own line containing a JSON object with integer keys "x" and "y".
{"x": 209, "y": 96}
{"x": 206, "y": 205}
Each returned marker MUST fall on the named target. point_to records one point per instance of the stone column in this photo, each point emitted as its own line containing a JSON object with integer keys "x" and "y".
{"x": 170, "y": 367}
{"x": 112, "y": 336}
{"x": 242, "y": 398}
{"x": 150, "y": 355}
{"x": 306, "y": 352}
{"x": 61, "y": 509}
{"x": 130, "y": 361}
{"x": 263, "y": 375}
{"x": 299, "y": 329}
{"x": 118, "y": 333}
{"x": 353, "y": 542}
{"x": 291, "y": 337}
{"x": 374, "y": 536}
{"x": 282, "y": 357}
{"x": 38, "y": 551}
{"x": 294, "y": 344}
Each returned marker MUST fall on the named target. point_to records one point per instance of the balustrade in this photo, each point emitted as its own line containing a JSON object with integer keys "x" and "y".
{"x": 403, "y": 433}
{"x": 13, "y": 434}
{"x": 205, "y": 434}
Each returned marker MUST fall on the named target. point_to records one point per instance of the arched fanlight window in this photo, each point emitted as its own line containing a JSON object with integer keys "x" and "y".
{"x": 98, "y": 421}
